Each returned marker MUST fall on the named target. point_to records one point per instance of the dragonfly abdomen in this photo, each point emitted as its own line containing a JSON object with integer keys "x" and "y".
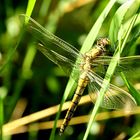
{"x": 77, "y": 96}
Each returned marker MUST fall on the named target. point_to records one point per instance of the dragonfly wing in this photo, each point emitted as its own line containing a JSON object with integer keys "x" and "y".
{"x": 124, "y": 64}
{"x": 123, "y": 60}
{"x": 54, "y": 48}
{"x": 114, "y": 98}
{"x": 66, "y": 64}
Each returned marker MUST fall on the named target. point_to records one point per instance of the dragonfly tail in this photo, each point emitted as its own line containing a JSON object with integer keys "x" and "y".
{"x": 71, "y": 109}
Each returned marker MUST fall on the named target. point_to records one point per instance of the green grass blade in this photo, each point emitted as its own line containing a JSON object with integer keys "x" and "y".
{"x": 61, "y": 104}
{"x": 125, "y": 12}
{"x": 86, "y": 46}
{"x": 102, "y": 91}
{"x": 96, "y": 28}
{"x": 108, "y": 75}
{"x": 21, "y": 81}
{"x": 44, "y": 8}
{"x": 30, "y": 7}
{"x": 11, "y": 53}
{"x": 3, "y": 93}
{"x": 28, "y": 60}
{"x": 135, "y": 136}
{"x": 131, "y": 89}
{"x": 1, "y": 118}
{"x": 89, "y": 41}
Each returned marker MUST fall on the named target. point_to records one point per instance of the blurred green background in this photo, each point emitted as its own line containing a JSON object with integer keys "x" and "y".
{"x": 29, "y": 82}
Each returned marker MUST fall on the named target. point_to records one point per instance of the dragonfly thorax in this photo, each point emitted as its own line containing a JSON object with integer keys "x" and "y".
{"x": 85, "y": 65}
{"x": 99, "y": 49}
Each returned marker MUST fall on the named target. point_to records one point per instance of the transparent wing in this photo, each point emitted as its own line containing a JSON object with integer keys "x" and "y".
{"x": 114, "y": 98}
{"x": 124, "y": 64}
{"x": 54, "y": 48}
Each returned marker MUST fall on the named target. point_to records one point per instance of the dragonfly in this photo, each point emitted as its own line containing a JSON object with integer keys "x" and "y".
{"x": 85, "y": 68}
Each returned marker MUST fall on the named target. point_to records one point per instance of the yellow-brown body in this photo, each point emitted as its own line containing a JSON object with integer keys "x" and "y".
{"x": 83, "y": 80}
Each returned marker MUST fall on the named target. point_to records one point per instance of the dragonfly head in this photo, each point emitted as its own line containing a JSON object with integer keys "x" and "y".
{"x": 103, "y": 42}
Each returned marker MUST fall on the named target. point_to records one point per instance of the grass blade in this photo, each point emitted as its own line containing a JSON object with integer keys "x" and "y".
{"x": 21, "y": 79}
{"x": 86, "y": 46}
{"x": 30, "y": 7}
{"x": 108, "y": 75}
{"x": 96, "y": 28}
{"x": 3, "y": 93}
{"x": 1, "y": 118}
{"x": 135, "y": 136}
{"x": 121, "y": 16}
{"x": 131, "y": 89}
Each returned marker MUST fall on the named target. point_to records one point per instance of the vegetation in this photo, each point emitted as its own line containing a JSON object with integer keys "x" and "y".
{"x": 33, "y": 89}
